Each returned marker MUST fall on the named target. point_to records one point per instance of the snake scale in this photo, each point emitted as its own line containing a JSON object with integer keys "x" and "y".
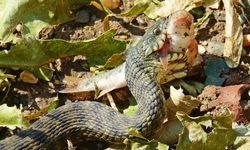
{"x": 146, "y": 63}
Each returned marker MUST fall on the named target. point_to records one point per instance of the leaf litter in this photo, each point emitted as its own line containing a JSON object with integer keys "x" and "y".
{"x": 194, "y": 122}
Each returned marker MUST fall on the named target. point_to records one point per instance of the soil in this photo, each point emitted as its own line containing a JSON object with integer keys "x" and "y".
{"x": 35, "y": 97}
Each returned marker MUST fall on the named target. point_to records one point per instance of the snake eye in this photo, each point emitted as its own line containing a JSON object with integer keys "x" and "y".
{"x": 157, "y": 31}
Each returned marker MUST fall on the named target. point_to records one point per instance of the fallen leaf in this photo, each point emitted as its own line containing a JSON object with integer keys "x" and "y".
{"x": 202, "y": 19}
{"x": 5, "y": 76}
{"x": 114, "y": 61}
{"x": 132, "y": 108}
{"x": 169, "y": 131}
{"x": 242, "y": 141}
{"x": 171, "y": 128}
{"x": 188, "y": 87}
{"x": 112, "y": 102}
{"x": 151, "y": 10}
{"x": 149, "y": 145}
{"x": 234, "y": 36}
{"x": 105, "y": 23}
{"x": 33, "y": 53}
{"x": 11, "y": 117}
{"x": 137, "y": 9}
{"x": 34, "y": 15}
{"x": 170, "y": 6}
{"x": 43, "y": 72}
{"x": 180, "y": 102}
{"x": 205, "y": 132}
{"x": 140, "y": 142}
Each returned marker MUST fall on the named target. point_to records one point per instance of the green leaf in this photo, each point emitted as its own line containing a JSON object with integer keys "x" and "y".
{"x": 141, "y": 143}
{"x": 170, "y": 6}
{"x": 242, "y": 141}
{"x": 43, "y": 72}
{"x": 11, "y": 117}
{"x": 151, "y": 145}
{"x": 136, "y": 134}
{"x": 132, "y": 108}
{"x": 205, "y": 132}
{"x": 33, "y": 15}
{"x": 137, "y": 9}
{"x": 35, "y": 53}
{"x": 53, "y": 105}
{"x": 202, "y": 19}
{"x": 150, "y": 11}
{"x": 169, "y": 131}
{"x": 190, "y": 88}
{"x": 114, "y": 61}
{"x": 4, "y": 76}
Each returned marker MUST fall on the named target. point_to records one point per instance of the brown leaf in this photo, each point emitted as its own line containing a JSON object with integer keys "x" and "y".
{"x": 234, "y": 36}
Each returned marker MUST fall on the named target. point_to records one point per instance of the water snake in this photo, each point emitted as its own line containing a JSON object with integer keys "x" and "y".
{"x": 145, "y": 66}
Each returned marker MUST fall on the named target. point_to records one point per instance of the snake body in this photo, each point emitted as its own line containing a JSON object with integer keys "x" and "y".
{"x": 93, "y": 120}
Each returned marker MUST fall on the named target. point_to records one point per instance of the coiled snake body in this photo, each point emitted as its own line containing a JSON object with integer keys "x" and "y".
{"x": 144, "y": 69}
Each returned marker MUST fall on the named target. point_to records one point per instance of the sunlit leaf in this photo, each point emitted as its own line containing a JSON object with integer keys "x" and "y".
{"x": 202, "y": 19}
{"x": 11, "y": 117}
{"x": 33, "y": 53}
{"x": 233, "y": 34}
{"x": 170, "y": 6}
{"x": 140, "y": 142}
{"x": 4, "y": 76}
{"x": 242, "y": 141}
{"x": 33, "y": 14}
{"x": 132, "y": 107}
{"x": 178, "y": 101}
{"x": 106, "y": 23}
{"x": 152, "y": 8}
{"x": 42, "y": 72}
{"x": 206, "y": 132}
{"x": 137, "y": 9}
{"x": 169, "y": 132}
{"x": 114, "y": 61}
{"x": 149, "y": 146}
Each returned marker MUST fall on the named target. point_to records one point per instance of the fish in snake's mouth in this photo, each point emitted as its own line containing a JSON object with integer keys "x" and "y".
{"x": 179, "y": 35}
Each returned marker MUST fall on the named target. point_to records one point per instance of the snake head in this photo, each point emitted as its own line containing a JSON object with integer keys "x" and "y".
{"x": 169, "y": 34}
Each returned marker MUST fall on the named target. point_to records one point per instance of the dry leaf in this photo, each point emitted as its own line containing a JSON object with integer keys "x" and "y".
{"x": 233, "y": 34}
{"x": 170, "y": 6}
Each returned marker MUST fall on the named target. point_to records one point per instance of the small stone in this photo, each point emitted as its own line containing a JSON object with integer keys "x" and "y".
{"x": 111, "y": 4}
{"x": 82, "y": 16}
{"x": 215, "y": 48}
{"x": 28, "y": 77}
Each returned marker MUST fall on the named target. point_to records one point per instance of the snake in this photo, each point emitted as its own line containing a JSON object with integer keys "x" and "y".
{"x": 146, "y": 65}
